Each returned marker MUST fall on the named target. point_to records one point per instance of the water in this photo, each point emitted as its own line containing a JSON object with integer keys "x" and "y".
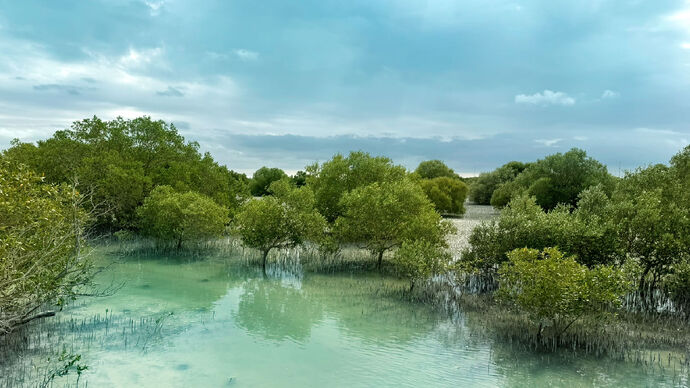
{"x": 214, "y": 323}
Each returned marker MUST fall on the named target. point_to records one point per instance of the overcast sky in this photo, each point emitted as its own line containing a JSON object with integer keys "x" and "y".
{"x": 285, "y": 83}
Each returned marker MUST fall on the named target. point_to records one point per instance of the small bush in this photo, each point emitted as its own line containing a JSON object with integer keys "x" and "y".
{"x": 556, "y": 290}
{"x": 419, "y": 260}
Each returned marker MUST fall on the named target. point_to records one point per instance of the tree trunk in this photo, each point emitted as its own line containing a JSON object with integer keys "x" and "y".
{"x": 644, "y": 275}
{"x": 179, "y": 243}
{"x": 26, "y": 320}
{"x": 380, "y": 260}
{"x": 558, "y": 337}
{"x": 263, "y": 263}
{"x": 411, "y": 285}
{"x": 643, "y": 288}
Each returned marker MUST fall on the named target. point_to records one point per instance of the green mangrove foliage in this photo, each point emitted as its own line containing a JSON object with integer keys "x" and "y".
{"x": 447, "y": 194}
{"x": 262, "y": 179}
{"x": 564, "y": 176}
{"x": 556, "y": 290}
{"x": 483, "y": 187}
{"x": 556, "y": 179}
{"x": 381, "y": 216}
{"x": 299, "y": 179}
{"x": 419, "y": 260}
{"x": 645, "y": 223}
{"x": 282, "y": 220}
{"x": 431, "y": 169}
{"x": 523, "y": 223}
{"x": 651, "y": 211}
{"x": 340, "y": 175}
{"x": 172, "y": 217}
{"x": 121, "y": 161}
{"x": 41, "y": 233}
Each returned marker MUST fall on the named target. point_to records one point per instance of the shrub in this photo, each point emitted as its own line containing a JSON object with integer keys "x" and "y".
{"x": 556, "y": 290}
{"x": 41, "y": 233}
{"x": 172, "y": 217}
{"x": 591, "y": 238}
{"x": 340, "y": 175}
{"x": 419, "y": 260}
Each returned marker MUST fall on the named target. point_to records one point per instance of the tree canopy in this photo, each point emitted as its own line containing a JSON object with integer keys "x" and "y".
{"x": 338, "y": 176}
{"x": 121, "y": 161}
{"x": 447, "y": 194}
{"x": 431, "y": 169}
{"x": 262, "y": 179}
{"x": 651, "y": 212}
{"x": 582, "y": 233}
{"x": 556, "y": 179}
{"x": 172, "y": 217}
{"x": 381, "y": 216}
{"x": 483, "y": 187}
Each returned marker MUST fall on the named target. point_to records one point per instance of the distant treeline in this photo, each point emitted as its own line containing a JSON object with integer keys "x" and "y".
{"x": 556, "y": 179}
{"x": 121, "y": 162}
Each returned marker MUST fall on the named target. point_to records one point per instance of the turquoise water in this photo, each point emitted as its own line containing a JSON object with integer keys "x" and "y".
{"x": 212, "y": 323}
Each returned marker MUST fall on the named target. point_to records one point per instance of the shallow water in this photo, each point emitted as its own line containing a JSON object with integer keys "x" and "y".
{"x": 215, "y": 323}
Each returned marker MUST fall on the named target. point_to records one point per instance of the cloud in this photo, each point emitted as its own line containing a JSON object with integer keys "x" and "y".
{"x": 216, "y": 55}
{"x": 170, "y": 92}
{"x": 654, "y": 131}
{"x": 246, "y": 55}
{"x": 678, "y": 144}
{"x": 154, "y": 6}
{"x": 182, "y": 125}
{"x": 548, "y": 97}
{"x": 53, "y": 92}
{"x": 548, "y": 142}
{"x": 609, "y": 94}
{"x": 241, "y": 54}
{"x": 73, "y": 90}
{"x": 674, "y": 139}
{"x": 439, "y": 70}
{"x": 140, "y": 58}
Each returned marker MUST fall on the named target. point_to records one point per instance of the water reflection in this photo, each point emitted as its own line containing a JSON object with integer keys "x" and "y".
{"x": 160, "y": 284}
{"x": 276, "y": 311}
{"x": 370, "y": 307}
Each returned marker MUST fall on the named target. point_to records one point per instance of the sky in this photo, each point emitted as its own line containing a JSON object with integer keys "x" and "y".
{"x": 287, "y": 83}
